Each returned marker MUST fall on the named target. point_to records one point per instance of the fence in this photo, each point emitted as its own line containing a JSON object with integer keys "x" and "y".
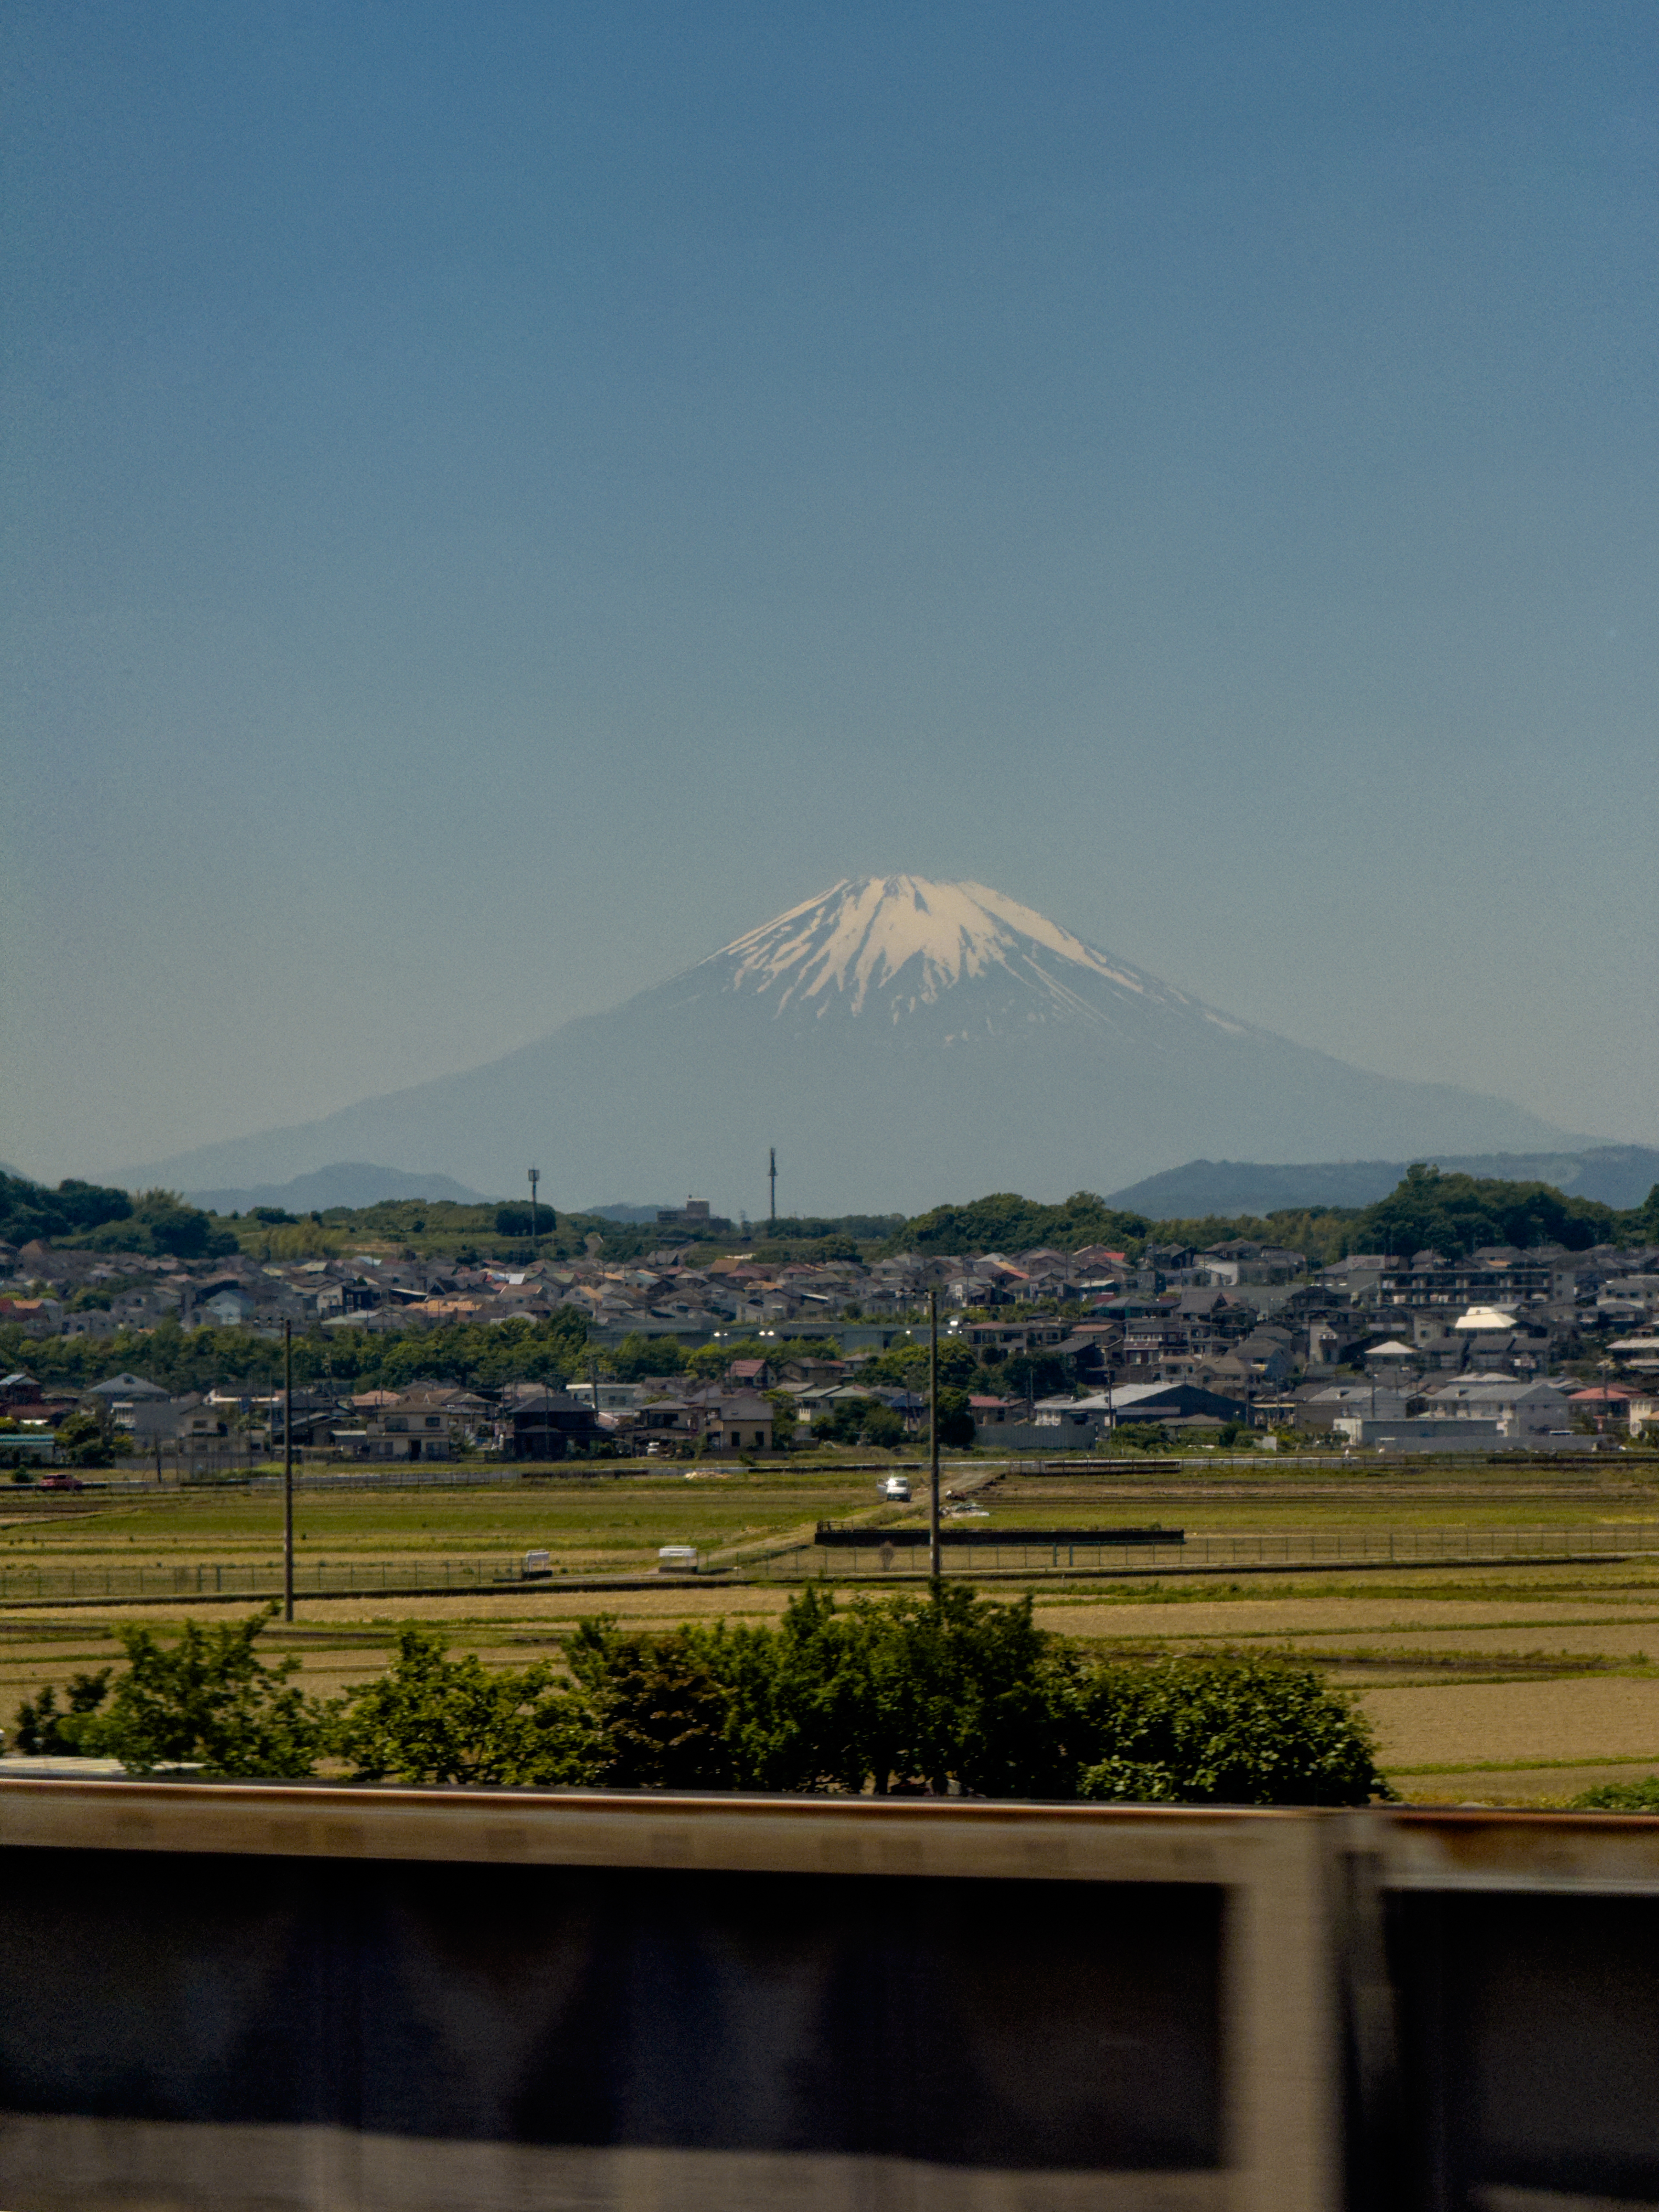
{"x": 884, "y": 1552}
{"x": 344, "y": 1474}
{"x": 872, "y": 1552}
{"x": 407, "y": 1577}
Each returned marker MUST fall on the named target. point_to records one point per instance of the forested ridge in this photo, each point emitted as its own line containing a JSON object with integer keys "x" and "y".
{"x": 1454, "y": 1214}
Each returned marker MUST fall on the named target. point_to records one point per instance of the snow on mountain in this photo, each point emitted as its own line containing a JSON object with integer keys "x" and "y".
{"x": 901, "y": 1041}
{"x": 971, "y": 960}
{"x": 914, "y": 940}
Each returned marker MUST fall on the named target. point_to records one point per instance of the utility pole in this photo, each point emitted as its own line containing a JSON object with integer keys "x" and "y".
{"x": 535, "y": 1177}
{"x": 934, "y": 1567}
{"x": 772, "y": 1172}
{"x": 288, "y": 1470}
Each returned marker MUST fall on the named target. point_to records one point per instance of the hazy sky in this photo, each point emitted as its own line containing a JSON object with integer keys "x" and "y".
{"x": 499, "y": 500}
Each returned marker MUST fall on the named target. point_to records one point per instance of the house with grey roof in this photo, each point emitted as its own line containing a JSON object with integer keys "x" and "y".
{"x": 131, "y": 1387}
{"x": 1521, "y": 1406}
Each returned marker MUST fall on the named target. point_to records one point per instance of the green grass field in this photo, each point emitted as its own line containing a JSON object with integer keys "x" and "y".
{"x": 625, "y": 1517}
{"x": 582, "y": 1520}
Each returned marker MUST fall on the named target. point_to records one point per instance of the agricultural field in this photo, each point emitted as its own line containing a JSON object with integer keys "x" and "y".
{"x": 1522, "y": 1680}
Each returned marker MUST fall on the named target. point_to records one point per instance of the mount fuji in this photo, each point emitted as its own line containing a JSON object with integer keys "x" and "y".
{"x": 901, "y": 1042}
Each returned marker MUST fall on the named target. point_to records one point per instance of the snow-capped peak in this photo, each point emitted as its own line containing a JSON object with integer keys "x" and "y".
{"x": 910, "y": 940}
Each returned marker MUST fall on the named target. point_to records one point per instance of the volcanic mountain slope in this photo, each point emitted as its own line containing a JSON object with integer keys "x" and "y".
{"x": 901, "y": 1043}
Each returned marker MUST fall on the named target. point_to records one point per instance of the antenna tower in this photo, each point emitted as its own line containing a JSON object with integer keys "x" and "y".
{"x": 772, "y": 1173}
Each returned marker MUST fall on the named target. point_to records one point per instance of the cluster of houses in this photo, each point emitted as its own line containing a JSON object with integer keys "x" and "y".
{"x": 676, "y": 1292}
{"x": 230, "y": 1427}
{"x": 1377, "y": 1350}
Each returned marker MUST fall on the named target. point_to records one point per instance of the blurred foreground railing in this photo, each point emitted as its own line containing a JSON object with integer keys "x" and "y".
{"x": 344, "y": 2000}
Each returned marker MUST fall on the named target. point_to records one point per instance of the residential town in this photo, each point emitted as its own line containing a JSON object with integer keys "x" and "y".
{"x": 686, "y": 1352}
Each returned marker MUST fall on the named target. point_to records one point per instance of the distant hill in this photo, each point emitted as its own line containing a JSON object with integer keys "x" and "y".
{"x": 903, "y": 1043}
{"x": 348, "y": 1183}
{"x": 1613, "y": 1175}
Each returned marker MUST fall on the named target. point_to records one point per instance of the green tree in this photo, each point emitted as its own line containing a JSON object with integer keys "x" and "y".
{"x": 1455, "y": 1214}
{"x": 954, "y": 1690}
{"x": 841, "y": 1421}
{"x": 81, "y": 1441}
{"x": 796, "y": 1696}
{"x": 961, "y": 1689}
{"x": 956, "y": 1422}
{"x": 1033, "y": 1375}
{"x": 860, "y": 1420}
{"x": 786, "y": 1416}
{"x": 638, "y": 1355}
{"x": 882, "y": 1427}
{"x": 905, "y": 1367}
{"x": 1005, "y": 1222}
{"x": 664, "y": 1710}
{"x": 160, "y": 1223}
{"x": 938, "y": 1692}
{"x": 516, "y": 1221}
{"x": 43, "y": 1731}
{"x": 710, "y": 1361}
{"x": 432, "y": 1718}
{"x": 28, "y": 1210}
{"x": 207, "y": 1700}
{"x": 1229, "y": 1729}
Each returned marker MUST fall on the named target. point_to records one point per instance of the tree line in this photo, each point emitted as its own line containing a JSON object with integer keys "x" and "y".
{"x": 96, "y": 1217}
{"x": 945, "y": 1693}
{"x": 1453, "y": 1213}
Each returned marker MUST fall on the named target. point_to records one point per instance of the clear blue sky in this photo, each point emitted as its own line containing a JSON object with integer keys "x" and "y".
{"x": 499, "y": 500}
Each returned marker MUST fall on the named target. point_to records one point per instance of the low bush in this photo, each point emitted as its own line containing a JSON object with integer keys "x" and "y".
{"x": 1141, "y": 1436}
{"x": 1620, "y": 1797}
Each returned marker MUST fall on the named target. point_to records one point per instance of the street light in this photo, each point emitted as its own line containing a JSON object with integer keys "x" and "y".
{"x": 535, "y": 1177}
